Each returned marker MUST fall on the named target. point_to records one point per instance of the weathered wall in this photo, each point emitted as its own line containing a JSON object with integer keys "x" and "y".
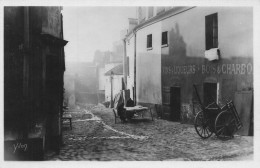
{"x": 34, "y": 67}
{"x": 51, "y": 21}
{"x": 148, "y": 65}
{"x": 13, "y": 68}
{"x": 183, "y": 62}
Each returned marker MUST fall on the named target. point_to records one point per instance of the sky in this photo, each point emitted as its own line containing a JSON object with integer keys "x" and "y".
{"x": 93, "y": 28}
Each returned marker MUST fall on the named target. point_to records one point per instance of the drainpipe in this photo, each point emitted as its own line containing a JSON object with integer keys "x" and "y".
{"x": 111, "y": 78}
{"x": 135, "y": 69}
{"x": 125, "y": 65}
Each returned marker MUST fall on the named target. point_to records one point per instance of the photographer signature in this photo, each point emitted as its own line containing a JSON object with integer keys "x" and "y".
{"x": 19, "y": 146}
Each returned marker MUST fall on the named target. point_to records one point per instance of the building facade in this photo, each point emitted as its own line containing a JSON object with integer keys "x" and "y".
{"x": 114, "y": 80}
{"x": 107, "y": 62}
{"x": 173, "y": 48}
{"x": 33, "y": 80}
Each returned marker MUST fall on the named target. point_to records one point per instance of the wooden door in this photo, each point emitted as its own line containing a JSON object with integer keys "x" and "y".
{"x": 210, "y": 93}
{"x": 175, "y": 103}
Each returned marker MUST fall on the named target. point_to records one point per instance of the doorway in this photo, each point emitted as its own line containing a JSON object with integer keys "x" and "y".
{"x": 210, "y": 93}
{"x": 175, "y": 103}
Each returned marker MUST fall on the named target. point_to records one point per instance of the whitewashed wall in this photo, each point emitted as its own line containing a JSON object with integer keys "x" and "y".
{"x": 148, "y": 65}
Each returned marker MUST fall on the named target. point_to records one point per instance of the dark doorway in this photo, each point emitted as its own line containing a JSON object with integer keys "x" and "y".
{"x": 210, "y": 93}
{"x": 175, "y": 103}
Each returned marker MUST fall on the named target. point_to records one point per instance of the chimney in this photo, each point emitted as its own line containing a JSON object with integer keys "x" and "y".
{"x": 132, "y": 24}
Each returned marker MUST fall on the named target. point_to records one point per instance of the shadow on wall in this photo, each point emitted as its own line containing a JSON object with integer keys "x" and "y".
{"x": 177, "y": 45}
{"x": 179, "y": 69}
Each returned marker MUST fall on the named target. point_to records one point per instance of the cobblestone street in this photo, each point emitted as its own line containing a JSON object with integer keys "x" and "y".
{"x": 95, "y": 136}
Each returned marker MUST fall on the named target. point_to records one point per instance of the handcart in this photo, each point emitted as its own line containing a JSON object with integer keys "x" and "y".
{"x": 127, "y": 113}
{"x": 223, "y": 121}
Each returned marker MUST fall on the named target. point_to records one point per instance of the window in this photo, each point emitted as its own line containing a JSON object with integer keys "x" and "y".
{"x": 150, "y": 12}
{"x": 149, "y": 41}
{"x": 164, "y": 39}
{"x": 211, "y": 31}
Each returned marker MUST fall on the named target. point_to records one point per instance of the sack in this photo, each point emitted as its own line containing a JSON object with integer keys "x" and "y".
{"x": 130, "y": 103}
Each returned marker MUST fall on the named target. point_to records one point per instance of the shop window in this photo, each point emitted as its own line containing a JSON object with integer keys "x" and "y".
{"x": 211, "y": 23}
{"x": 164, "y": 39}
{"x": 149, "y": 41}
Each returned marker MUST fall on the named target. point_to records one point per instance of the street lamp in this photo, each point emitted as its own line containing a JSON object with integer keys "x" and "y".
{"x": 111, "y": 79}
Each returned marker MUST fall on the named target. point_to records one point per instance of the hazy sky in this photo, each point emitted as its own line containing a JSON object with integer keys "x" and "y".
{"x": 91, "y": 28}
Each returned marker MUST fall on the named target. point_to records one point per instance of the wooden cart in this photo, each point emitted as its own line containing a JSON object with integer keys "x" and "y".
{"x": 130, "y": 112}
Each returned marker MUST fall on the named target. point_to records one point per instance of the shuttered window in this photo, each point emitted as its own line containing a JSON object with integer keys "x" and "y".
{"x": 149, "y": 41}
{"x": 211, "y": 23}
{"x": 164, "y": 38}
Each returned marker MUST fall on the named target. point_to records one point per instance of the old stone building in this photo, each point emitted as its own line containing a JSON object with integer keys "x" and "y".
{"x": 33, "y": 81}
{"x": 173, "y": 48}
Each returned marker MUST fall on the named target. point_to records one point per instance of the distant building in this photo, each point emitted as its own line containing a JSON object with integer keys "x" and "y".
{"x": 33, "y": 81}
{"x": 100, "y": 60}
{"x": 114, "y": 80}
{"x": 105, "y": 62}
{"x": 173, "y": 48}
{"x": 81, "y": 83}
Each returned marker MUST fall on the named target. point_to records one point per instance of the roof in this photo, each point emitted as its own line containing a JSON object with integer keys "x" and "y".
{"x": 117, "y": 70}
{"x": 162, "y": 16}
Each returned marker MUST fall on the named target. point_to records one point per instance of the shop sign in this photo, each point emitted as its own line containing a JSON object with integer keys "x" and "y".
{"x": 228, "y": 69}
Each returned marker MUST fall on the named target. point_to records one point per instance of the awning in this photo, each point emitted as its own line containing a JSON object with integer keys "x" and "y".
{"x": 53, "y": 40}
{"x": 117, "y": 70}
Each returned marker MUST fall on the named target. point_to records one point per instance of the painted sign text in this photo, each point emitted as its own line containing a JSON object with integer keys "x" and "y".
{"x": 228, "y": 69}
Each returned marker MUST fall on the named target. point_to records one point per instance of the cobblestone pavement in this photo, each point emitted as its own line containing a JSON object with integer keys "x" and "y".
{"x": 95, "y": 136}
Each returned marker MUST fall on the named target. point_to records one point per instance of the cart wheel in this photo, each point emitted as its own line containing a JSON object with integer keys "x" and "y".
{"x": 202, "y": 126}
{"x": 225, "y": 125}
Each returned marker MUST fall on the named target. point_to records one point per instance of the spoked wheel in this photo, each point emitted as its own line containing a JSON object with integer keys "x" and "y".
{"x": 202, "y": 126}
{"x": 225, "y": 125}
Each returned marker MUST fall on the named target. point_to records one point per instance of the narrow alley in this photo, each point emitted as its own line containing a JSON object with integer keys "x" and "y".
{"x": 95, "y": 137}
{"x": 155, "y": 82}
